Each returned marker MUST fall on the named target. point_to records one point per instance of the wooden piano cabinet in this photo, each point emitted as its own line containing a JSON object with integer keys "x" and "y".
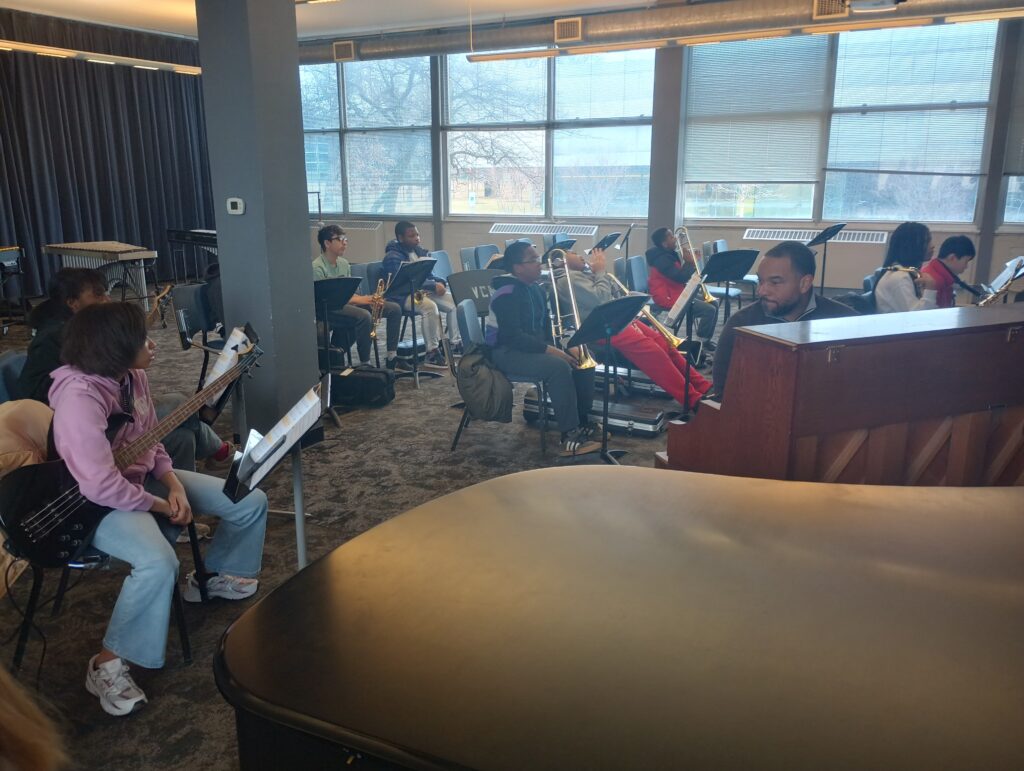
{"x": 924, "y": 398}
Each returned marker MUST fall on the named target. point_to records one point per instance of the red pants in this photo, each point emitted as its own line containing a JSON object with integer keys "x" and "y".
{"x": 652, "y": 354}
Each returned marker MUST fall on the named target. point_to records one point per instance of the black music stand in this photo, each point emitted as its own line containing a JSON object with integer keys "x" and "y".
{"x": 823, "y": 238}
{"x": 331, "y": 295}
{"x": 604, "y": 322}
{"x": 412, "y": 276}
{"x": 625, "y": 240}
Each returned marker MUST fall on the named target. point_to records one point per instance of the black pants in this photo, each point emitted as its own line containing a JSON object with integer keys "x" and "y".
{"x": 354, "y": 322}
{"x": 571, "y": 390}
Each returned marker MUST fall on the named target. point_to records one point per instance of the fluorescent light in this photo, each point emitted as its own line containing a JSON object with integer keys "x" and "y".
{"x": 100, "y": 61}
{"x": 144, "y": 67}
{"x": 52, "y": 56}
{"x": 544, "y": 53}
{"x": 964, "y": 18}
{"x": 700, "y": 40}
{"x": 610, "y": 47}
{"x": 829, "y": 29}
{"x": 95, "y": 57}
{"x": 188, "y": 71}
{"x": 2, "y": 48}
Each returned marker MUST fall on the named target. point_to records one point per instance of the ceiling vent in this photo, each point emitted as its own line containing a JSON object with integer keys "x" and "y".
{"x": 569, "y": 30}
{"x": 345, "y": 51}
{"x": 830, "y": 9}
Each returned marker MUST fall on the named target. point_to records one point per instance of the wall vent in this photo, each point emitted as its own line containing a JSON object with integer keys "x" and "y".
{"x": 844, "y": 236}
{"x": 345, "y": 51}
{"x": 569, "y": 30}
{"x": 541, "y": 229}
{"x": 830, "y": 9}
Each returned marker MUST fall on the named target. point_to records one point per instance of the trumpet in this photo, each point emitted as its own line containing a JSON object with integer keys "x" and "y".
{"x": 683, "y": 237}
{"x": 377, "y": 305}
{"x": 665, "y": 332}
{"x": 585, "y": 360}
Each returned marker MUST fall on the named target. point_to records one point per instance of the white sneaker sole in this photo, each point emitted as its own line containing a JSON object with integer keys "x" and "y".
{"x": 108, "y": 706}
{"x": 191, "y": 593}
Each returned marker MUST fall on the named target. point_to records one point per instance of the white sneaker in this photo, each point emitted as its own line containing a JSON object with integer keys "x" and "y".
{"x": 114, "y": 687}
{"x": 225, "y": 587}
{"x": 202, "y": 532}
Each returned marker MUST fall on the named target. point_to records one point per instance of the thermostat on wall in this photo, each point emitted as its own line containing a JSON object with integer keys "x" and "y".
{"x": 236, "y": 206}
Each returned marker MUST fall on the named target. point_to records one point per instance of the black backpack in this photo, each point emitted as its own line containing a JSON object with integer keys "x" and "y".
{"x": 362, "y": 387}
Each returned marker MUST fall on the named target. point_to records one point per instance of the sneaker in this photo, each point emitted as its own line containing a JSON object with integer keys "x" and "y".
{"x": 435, "y": 359}
{"x": 114, "y": 687}
{"x": 225, "y": 587}
{"x": 578, "y": 442}
{"x": 202, "y": 532}
{"x": 399, "y": 364}
{"x": 709, "y": 347}
{"x": 213, "y": 465}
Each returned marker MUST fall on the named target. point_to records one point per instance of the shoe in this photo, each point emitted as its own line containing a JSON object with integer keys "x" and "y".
{"x": 213, "y": 465}
{"x": 202, "y": 532}
{"x": 435, "y": 359}
{"x": 578, "y": 442}
{"x": 390, "y": 364}
{"x": 709, "y": 346}
{"x": 114, "y": 687}
{"x": 456, "y": 349}
{"x": 401, "y": 365}
{"x": 225, "y": 587}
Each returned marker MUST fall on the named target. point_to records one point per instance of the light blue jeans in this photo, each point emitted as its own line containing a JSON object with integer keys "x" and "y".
{"x": 138, "y": 626}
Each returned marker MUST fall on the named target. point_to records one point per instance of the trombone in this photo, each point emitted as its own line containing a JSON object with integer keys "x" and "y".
{"x": 585, "y": 360}
{"x": 683, "y": 237}
{"x": 672, "y": 340}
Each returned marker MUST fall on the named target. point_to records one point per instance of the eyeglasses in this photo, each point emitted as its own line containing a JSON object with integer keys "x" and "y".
{"x": 339, "y": 238}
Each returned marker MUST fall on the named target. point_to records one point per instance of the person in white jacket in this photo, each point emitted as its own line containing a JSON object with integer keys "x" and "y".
{"x": 910, "y": 246}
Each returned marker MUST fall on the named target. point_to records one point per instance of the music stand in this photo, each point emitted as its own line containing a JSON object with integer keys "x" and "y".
{"x": 823, "y": 238}
{"x": 329, "y": 295}
{"x": 411, "y": 276}
{"x": 603, "y": 323}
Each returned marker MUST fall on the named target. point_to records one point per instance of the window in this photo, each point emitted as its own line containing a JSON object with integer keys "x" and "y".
{"x": 388, "y": 171}
{"x": 602, "y": 172}
{"x": 318, "y": 86}
{"x": 512, "y": 91}
{"x": 612, "y": 85}
{"x": 908, "y": 123}
{"x": 323, "y": 172}
{"x": 496, "y": 172}
{"x": 389, "y": 92}
{"x": 754, "y": 124}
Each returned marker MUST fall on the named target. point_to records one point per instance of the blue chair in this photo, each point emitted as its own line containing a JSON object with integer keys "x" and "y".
{"x": 620, "y": 271}
{"x": 443, "y": 268}
{"x": 359, "y": 271}
{"x": 482, "y": 255}
{"x": 195, "y": 316}
{"x": 471, "y": 331}
{"x": 554, "y": 238}
{"x": 637, "y": 271}
{"x": 467, "y": 258}
{"x": 11, "y": 365}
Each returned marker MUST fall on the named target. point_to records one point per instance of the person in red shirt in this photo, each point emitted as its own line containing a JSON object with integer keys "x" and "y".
{"x": 667, "y": 277}
{"x": 954, "y": 256}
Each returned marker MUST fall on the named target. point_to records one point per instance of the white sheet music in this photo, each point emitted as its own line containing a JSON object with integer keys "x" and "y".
{"x": 296, "y": 422}
{"x": 1011, "y": 273}
{"x": 226, "y": 360}
{"x": 680, "y": 304}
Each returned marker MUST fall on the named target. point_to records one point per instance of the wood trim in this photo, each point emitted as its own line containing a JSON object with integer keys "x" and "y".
{"x": 854, "y": 441}
{"x": 886, "y": 454}
{"x": 967, "y": 445}
{"x": 920, "y": 462}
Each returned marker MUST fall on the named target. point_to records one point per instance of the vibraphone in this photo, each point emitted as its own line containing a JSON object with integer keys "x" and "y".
{"x": 124, "y": 265}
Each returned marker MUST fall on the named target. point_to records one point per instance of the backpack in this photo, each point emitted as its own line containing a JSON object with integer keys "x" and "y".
{"x": 483, "y": 387}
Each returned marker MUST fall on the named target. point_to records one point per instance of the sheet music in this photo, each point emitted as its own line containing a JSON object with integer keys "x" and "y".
{"x": 266, "y": 451}
{"x": 226, "y": 360}
{"x": 1010, "y": 274}
{"x": 679, "y": 307}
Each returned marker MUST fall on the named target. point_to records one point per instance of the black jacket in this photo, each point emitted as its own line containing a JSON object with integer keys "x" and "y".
{"x": 668, "y": 264}
{"x": 753, "y": 316}
{"x": 48, "y": 320}
{"x": 518, "y": 317}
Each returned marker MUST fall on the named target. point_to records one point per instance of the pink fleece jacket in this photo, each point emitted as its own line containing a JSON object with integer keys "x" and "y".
{"x": 81, "y": 406}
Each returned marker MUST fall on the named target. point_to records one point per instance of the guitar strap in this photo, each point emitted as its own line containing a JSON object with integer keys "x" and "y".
{"x": 115, "y": 422}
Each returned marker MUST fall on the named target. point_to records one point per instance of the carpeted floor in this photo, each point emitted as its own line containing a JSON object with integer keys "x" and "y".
{"x": 380, "y": 463}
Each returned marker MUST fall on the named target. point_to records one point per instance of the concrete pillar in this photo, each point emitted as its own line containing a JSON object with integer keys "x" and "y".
{"x": 665, "y": 206}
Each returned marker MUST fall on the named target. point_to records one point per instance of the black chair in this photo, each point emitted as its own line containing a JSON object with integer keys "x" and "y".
{"x": 473, "y": 285}
{"x": 11, "y": 312}
{"x": 195, "y": 316}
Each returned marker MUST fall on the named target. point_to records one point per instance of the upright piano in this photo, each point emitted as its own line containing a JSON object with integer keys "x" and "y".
{"x": 922, "y": 398}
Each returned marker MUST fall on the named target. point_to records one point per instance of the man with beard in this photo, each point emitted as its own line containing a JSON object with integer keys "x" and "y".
{"x": 786, "y": 293}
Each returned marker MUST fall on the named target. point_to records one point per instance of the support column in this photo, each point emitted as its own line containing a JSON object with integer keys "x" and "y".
{"x": 665, "y": 206}
{"x": 249, "y": 54}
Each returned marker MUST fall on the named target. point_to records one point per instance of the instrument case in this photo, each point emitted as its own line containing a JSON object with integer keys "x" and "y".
{"x": 632, "y": 419}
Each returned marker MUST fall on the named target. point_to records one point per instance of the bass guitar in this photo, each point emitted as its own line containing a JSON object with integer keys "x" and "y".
{"x": 47, "y": 519}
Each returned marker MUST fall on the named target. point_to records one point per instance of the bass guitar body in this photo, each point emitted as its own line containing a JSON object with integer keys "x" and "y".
{"x": 47, "y": 520}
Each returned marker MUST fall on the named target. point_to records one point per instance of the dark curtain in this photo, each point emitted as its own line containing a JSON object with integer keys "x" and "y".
{"x": 94, "y": 152}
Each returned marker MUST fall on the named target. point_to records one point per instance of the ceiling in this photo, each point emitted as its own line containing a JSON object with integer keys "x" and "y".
{"x": 345, "y": 17}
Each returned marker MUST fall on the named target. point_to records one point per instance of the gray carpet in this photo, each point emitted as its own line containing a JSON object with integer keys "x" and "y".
{"x": 380, "y": 463}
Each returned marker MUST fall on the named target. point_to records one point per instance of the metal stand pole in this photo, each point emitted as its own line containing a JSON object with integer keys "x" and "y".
{"x": 300, "y": 514}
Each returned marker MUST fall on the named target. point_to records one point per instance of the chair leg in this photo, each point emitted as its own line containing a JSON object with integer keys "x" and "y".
{"x": 463, "y": 423}
{"x": 376, "y": 353}
{"x": 542, "y": 396}
{"x": 30, "y": 611}
{"x": 62, "y": 587}
{"x": 178, "y": 605}
{"x": 197, "y": 560}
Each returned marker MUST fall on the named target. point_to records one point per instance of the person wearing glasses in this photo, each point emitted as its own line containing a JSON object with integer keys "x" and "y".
{"x": 355, "y": 316}
{"x": 519, "y": 334}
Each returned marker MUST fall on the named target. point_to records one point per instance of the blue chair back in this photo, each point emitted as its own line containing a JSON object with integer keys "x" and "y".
{"x": 720, "y": 245}
{"x": 469, "y": 323}
{"x": 11, "y": 365}
{"x": 475, "y": 286}
{"x": 443, "y": 268}
{"x": 482, "y": 254}
{"x": 620, "y": 270}
{"x": 637, "y": 272}
{"x": 553, "y": 239}
{"x": 359, "y": 271}
{"x": 467, "y": 258}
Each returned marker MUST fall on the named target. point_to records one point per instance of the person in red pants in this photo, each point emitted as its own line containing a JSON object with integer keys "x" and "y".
{"x": 645, "y": 347}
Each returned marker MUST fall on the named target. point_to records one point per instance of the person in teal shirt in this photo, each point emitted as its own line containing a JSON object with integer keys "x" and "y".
{"x": 355, "y": 316}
